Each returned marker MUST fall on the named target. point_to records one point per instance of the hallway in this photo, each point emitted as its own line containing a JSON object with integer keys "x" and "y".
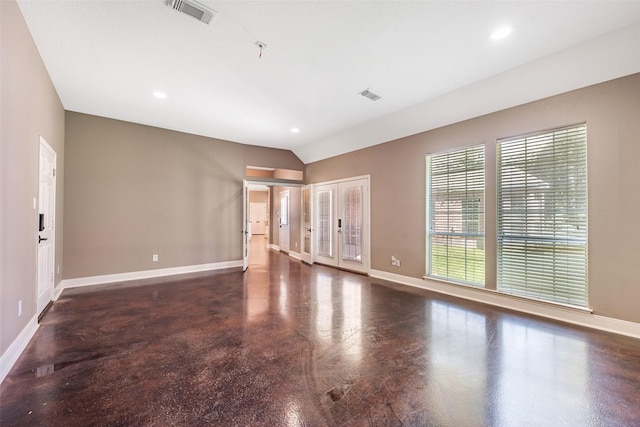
{"x": 287, "y": 344}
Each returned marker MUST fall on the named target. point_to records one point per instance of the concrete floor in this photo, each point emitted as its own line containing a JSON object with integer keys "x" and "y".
{"x": 286, "y": 344}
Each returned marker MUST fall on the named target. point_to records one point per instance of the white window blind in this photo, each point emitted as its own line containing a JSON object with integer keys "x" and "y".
{"x": 352, "y": 223}
{"x": 325, "y": 226}
{"x": 542, "y": 215}
{"x": 455, "y": 215}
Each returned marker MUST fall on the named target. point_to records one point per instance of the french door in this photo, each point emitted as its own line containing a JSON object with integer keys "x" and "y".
{"x": 306, "y": 233}
{"x": 342, "y": 224}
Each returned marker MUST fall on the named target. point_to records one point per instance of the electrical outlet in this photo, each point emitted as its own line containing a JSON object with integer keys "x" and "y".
{"x": 19, "y": 308}
{"x": 155, "y": 257}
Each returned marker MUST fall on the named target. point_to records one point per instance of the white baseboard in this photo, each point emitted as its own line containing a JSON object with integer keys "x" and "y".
{"x": 295, "y": 255}
{"x": 551, "y": 311}
{"x": 137, "y": 275}
{"x": 274, "y": 247}
{"x": 16, "y": 348}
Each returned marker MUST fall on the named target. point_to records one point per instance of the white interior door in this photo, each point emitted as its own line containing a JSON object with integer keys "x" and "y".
{"x": 353, "y": 225}
{"x": 342, "y": 224}
{"x": 46, "y": 225}
{"x": 258, "y": 218}
{"x": 245, "y": 226}
{"x": 306, "y": 227}
{"x": 326, "y": 234}
{"x": 284, "y": 221}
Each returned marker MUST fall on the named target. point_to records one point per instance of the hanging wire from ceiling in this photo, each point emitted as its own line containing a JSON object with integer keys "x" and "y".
{"x": 262, "y": 47}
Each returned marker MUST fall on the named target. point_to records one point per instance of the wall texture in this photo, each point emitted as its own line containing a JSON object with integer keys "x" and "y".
{"x": 611, "y": 111}
{"x": 134, "y": 191}
{"x": 30, "y": 109}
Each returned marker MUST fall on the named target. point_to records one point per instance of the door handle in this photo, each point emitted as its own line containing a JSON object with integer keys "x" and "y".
{"x": 40, "y": 239}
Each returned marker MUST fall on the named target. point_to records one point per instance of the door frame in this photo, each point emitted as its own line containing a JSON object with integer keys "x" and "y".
{"x": 245, "y": 201}
{"x": 41, "y": 304}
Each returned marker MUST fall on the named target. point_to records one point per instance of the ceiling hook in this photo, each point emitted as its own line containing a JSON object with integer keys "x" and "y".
{"x": 262, "y": 47}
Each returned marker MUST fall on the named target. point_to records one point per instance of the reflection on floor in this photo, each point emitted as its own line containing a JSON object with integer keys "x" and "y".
{"x": 290, "y": 344}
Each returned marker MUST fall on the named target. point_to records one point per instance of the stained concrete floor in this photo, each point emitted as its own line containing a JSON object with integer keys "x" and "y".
{"x": 287, "y": 344}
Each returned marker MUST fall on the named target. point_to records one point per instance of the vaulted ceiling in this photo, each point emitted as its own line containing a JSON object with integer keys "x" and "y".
{"x": 432, "y": 63}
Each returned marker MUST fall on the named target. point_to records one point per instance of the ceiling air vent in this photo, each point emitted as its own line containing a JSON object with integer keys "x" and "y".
{"x": 194, "y": 9}
{"x": 372, "y": 96}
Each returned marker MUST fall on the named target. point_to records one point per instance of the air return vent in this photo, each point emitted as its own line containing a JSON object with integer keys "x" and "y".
{"x": 194, "y": 9}
{"x": 367, "y": 94}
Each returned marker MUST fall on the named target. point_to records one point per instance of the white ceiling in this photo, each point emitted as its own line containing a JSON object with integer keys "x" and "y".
{"x": 432, "y": 63}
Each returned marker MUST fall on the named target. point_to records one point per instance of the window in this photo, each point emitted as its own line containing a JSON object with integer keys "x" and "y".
{"x": 542, "y": 215}
{"x": 455, "y": 215}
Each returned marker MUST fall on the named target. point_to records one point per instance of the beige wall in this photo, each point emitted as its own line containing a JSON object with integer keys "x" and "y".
{"x": 30, "y": 108}
{"x": 611, "y": 111}
{"x": 134, "y": 191}
{"x": 258, "y": 196}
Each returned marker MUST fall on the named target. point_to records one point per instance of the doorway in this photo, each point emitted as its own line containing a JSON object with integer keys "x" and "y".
{"x": 275, "y": 237}
{"x": 46, "y": 225}
{"x": 342, "y": 224}
{"x": 258, "y": 218}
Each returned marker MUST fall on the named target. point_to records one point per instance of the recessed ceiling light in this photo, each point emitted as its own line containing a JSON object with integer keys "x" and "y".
{"x": 295, "y": 130}
{"x": 159, "y": 95}
{"x": 501, "y": 33}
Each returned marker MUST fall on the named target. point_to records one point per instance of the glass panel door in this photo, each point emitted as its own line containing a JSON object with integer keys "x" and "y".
{"x": 325, "y": 222}
{"x": 306, "y": 225}
{"x": 352, "y": 223}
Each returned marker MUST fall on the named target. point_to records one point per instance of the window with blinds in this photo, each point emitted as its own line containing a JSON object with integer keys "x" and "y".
{"x": 542, "y": 215}
{"x": 455, "y": 215}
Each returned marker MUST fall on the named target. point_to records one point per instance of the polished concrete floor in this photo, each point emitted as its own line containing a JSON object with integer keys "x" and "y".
{"x": 287, "y": 344}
